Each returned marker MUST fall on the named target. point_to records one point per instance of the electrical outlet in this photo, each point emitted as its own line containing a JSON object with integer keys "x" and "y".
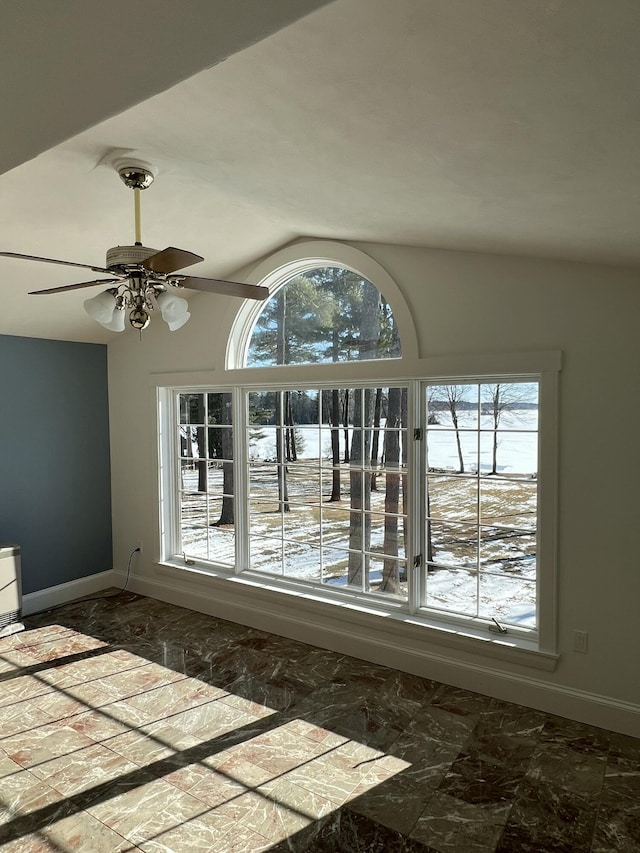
{"x": 139, "y": 547}
{"x": 580, "y": 641}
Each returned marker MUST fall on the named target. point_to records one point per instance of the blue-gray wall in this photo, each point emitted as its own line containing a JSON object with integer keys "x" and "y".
{"x": 55, "y": 495}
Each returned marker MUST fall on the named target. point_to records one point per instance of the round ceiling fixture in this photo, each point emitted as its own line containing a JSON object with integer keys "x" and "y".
{"x": 136, "y": 176}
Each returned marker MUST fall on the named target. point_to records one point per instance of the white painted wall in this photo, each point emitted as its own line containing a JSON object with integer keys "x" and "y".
{"x": 461, "y": 303}
{"x": 67, "y": 89}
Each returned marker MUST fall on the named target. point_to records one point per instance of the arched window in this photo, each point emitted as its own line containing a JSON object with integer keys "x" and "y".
{"x": 329, "y": 456}
{"x": 330, "y": 304}
{"x": 328, "y": 314}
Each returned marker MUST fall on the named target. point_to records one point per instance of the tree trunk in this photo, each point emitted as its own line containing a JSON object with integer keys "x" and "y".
{"x": 360, "y": 480}
{"x": 390, "y": 574}
{"x": 496, "y": 403}
{"x": 454, "y": 418}
{"x": 360, "y": 483}
{"x": 226, "y": 437}
{"x": 281, "y": 341}
{"x": 335, "y": 446}
{"x": 334, "y": 419}
{"x": 345, "y": 421}
{"x": 289, "y": 432}
{"x": 283, "y": 491}
{"x": 281, "y": 358}
{"x": 202, "y": 450}
{"x": 186, "y": 442}
{"x": 375, "y": 441}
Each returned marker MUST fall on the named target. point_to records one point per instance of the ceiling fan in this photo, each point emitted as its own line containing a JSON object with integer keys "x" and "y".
{"x": 143, "y": 279}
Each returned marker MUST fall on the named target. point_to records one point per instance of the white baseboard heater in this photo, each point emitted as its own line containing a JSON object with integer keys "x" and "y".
{"x": 10, "y": 590}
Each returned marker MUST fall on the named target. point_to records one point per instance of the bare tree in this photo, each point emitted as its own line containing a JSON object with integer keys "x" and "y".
{"x": 454, "y": 395}
{"x": 497, "y": 399}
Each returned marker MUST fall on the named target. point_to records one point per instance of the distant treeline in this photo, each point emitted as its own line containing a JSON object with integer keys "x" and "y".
{"x": 303, "y": 407}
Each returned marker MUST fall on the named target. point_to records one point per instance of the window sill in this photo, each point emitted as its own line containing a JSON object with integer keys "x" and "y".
{"x": 360, "y": 619}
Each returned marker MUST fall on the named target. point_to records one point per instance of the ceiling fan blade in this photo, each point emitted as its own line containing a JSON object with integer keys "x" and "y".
{"x": 229, "y": 288}
{"x": 75, "y": 286}
{"x": 171, "y": 259}
{"x": 53, "y": 261}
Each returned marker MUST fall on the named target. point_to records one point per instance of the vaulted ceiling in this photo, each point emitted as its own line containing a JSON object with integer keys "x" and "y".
{"x": 502, "y": 126}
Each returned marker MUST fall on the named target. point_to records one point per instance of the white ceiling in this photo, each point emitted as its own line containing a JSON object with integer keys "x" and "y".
{"x": 501, "y": 126}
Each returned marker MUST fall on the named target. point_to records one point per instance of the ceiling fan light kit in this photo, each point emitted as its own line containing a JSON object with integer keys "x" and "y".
{"x": 101, "y": 307}
{"x": 174, "y": 310}
{"x": 142, "y": 278}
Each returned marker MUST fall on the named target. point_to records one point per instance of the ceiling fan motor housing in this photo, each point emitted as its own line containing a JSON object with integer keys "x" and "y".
{"x": 122, "y": 256}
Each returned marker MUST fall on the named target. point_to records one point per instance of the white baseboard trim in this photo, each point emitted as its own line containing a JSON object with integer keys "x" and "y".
{"x": 387, "y": 650}
{"x": 382, "y": 648}
{"x": 43, "y": 599}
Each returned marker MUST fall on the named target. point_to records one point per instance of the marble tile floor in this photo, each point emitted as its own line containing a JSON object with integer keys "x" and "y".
{"x": 127, "y": 724}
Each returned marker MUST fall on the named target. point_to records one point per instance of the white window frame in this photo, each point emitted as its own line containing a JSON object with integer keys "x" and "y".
{"x": 544, "y": 634}
{"x": 543, "y": 638}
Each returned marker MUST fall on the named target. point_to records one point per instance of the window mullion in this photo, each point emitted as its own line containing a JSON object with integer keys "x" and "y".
{"x": 281, "y": 455}
{"x": 176, "y": 475}
{"x": 240, "y": 426}
{"x": 478, "y": 524}
{"x": 546, "y": 521}
{"x": 416, "y": 491}
{"x": 168, "y": 481}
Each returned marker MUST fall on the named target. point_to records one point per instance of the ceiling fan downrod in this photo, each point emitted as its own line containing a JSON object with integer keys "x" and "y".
{"x": 136, "y": 176}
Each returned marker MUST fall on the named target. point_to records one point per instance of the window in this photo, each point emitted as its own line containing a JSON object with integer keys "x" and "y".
{"x": 417, "y": 488}
{"x": 482, "y": 500}
{"x": 325, "y": 500}
{"x": 324, "y": 315}
{"x": 205, "y": 494}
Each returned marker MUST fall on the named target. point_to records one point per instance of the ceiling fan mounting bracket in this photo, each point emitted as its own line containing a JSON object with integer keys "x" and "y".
{"x": 135, "y": 174}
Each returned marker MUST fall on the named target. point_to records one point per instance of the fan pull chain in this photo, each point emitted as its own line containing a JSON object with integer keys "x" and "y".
{"x": 136, "y": 207}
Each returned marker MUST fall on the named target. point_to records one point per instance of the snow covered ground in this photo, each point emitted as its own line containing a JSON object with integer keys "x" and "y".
{"x": 311, "y": 542}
